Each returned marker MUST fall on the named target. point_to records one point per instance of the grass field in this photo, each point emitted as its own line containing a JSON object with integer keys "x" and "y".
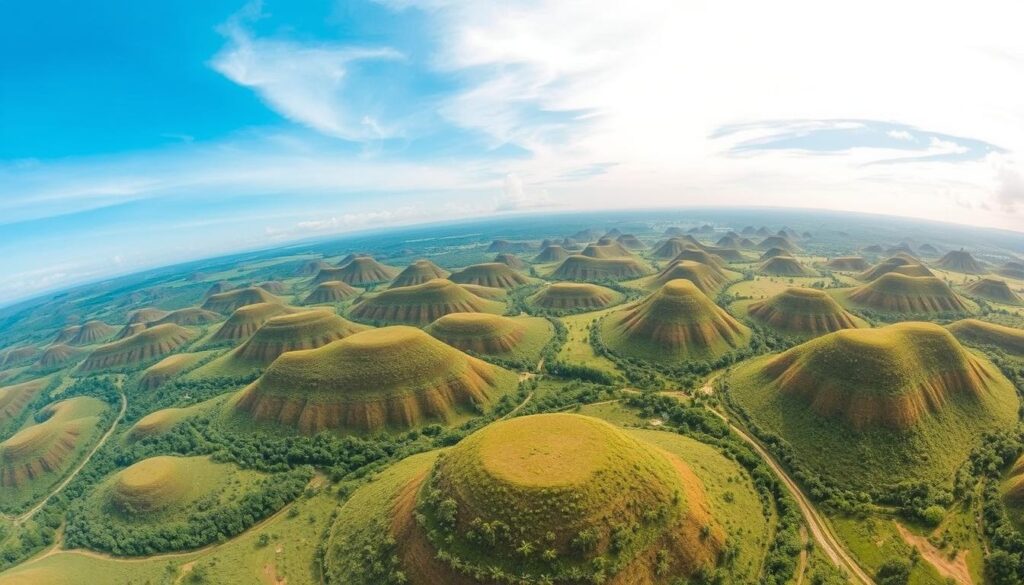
{"x": 577, "y": 348}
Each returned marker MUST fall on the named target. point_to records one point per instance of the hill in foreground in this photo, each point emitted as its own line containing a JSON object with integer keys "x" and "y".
{"x": 587, "y": 269}
{"x": 490, "y": 274}
{"x": 422, "y": 303}
{"x": 872, "y": 407}
{"x": 167, "y": 369}
{"x": 138, "y": 349}
{"x": 985, "y": 334}
{"x": 547, "y": 480}
{"x": 803, "y": 311}
{"x": 993, "y": 289}
{"x": 494, "y": 335}
{"x": 59, "y": 355}
{"x": 896, "y": 293}
{"x": 574, "y": 296}
{"x": 391, "y": 378}
{"x": 14, "y": 399}
{"x": 674, "y": 323}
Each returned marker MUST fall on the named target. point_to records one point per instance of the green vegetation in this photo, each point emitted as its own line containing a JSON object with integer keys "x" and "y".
{"x": 418, "y": 272}
{"x": 514, "y": 338}
{"x": 227, "y": 302}
{"x": 803, "y": 312}
{"x": 897, "y": 293}
{"x": 141, "y": 348}
{"x": 993, "y": 289}
{"x": 961, "y": 261}
{"x": 490, "y": 274}
{"x": 587, "y": 269}
{"x": 421, "y": 304}
{"x": 568, "y": 297}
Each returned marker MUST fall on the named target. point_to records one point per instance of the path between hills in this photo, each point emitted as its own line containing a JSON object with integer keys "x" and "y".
{"x": 955, "y": 568}
{"x": 117, "y": 420}
{"x": 819, "y": 529}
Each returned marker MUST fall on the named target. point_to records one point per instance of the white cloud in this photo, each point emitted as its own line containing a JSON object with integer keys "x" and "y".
{"x": 900, "y": 135}
{"x": 304, "y": 83}
{"x": 1009, "y": 190}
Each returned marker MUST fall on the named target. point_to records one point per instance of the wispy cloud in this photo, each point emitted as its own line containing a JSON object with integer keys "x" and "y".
{"x": 306, "y": 83}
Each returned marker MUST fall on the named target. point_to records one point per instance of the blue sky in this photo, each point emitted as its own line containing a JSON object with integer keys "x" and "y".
{"x": 134, "y": 134}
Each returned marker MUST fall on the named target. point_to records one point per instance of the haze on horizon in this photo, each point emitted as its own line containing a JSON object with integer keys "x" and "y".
{"x": 138, "y": 134}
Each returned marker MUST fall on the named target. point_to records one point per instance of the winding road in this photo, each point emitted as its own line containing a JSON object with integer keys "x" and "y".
{"x": 821, "y": 532}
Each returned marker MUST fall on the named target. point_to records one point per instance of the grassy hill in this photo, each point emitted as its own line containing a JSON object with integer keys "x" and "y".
{"x": 784, "y": 266}
{"x": 993, "y": 289}
{"x": 138, "y": 349}
{"x": 490, "y": 274}
{"x": 674, "y": 323}
{"x": 227, "y": 302}
{"x": 246, "y": 320}
{"x": 961, "y": 261}
{"x": 330, "y": 292}
{"x": 573, "y": 296}
{"x": 709, "y": 278}
{"x": 848, "y": 264}
{"x": 587, "y": 269}
{"x": 984, "y": 334}
{"x": 592, "y": 503}
{"x": 896, "y": 293}
{"x": 520, "y": 337}
{"x": 873, "y": 407}
{"x": 381, "y": 379}
{"x": 803, "y": 312}
{"x": 900, "y": 264}
{"x": 418, "y": 272}
{"x": 421, "y": 304}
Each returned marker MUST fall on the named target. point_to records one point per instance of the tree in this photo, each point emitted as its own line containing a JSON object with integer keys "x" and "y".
{"x": 893, "y": 572}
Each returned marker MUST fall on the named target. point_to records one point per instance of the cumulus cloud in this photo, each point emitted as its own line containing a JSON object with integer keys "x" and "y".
{"x": 515, "y": 197}
{"x": 1009, "y": 192}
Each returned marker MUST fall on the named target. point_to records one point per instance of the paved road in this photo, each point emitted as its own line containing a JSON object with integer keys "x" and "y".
{"x": 32, "y": 512}
{"x": 819, "y": 529}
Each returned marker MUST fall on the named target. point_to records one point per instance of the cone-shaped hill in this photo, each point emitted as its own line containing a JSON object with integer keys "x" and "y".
{"x": 129, "y": 329}
{"x": 188, "y": 317}
{"x": 702, "y": 256}
{"x": 168, "y": 368}
{"x": 59, "y": 355}
{"x": 983, "y": 333}
{"x": 961, "y": 261}
{"x": 896, "y": 293}
{"x": 611, "y": 249}
{"x": 512, "y": 261}
{"x": 274, "y": 287}
{"x": 784, "y": 266}
{"x": 246, "y": 320}
{"x": 727, "y": 254}
{"x": 573, "y": 296}
{"x": 900, "y": 264}
{"x": 874, "y": 249}
{"x": 295, "y": 331}
{"x": 91, "y": 332}
{"x": 848, "y": 264}
{"x": 361, "y": 271}
{"x": 630, "y": 242}
{"x": 41, "y": 452}
{"x": 227, "y": 302}
{"x": 553, "y": 253}
{"x": 803, "y": 311}
{"x": 709, "y": 279}
{"x": 510, "y": 247}
{"x": 1012, "y": 269}
{"x": 66, "y": 334}
{"x": 14, "y": 399}
{"x": 777, "y": 242}
{"x": 993, "y": 289}
{"x": 544, "y": 480}
{"x": 672, "y": 247}
{"x": 585, "y": 268}
{"x": 872, "y": 407}
{"x": 382, "y": 379}
{"x": 1013, "y": 492}
{"x": 773, "y": 252}
{"x": 674, "y": 323}
{"x": 928, "y": 250}
{"x": 492, "y": 274}
{"x": 422, "y": 303}
{"x": 218, "y": 287}
{"x": 146, "y": 315}
{"x": 151, "y": 485}
{"x": 142, "y": 347}
{"x": 19, "y": 355}
{"x": 418, "y": 272}
{"x": 330, "y": 292}
{"x": 311, "y": 267}
{"x": 493, "y": 335}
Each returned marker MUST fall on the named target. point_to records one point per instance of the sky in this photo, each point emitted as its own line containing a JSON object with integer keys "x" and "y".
{"x": 136, "y": 134}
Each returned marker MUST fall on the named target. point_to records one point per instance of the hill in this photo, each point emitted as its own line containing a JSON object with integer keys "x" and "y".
{"x": 246, "y": 320}
{"x": 311, "y": 268}
{"x": 585, "y": 268}
{"x": 491, "y": 274}
{"x": 896, "y": 293}
{"x": 188, "y": 317}
{"x": 698, "y": 255}
{"x": 772, "y": 253}
{"x": 1012, "y": 269}
{"x": 552, "y": 253}
{"x": 672, "y": 247}
{"x": 784, "y": 266}
{"x": 418, "y": 272}
{"x": 227, "y": 302}
{"x": 157, "y": 423}
{"x": 18, "y": 355}
{"x": 709, "y": 279}
{"x": 493, "y": 335}
{"x": 781, "y": 242}
{"x": 59, "y": 355}
{"x": 218, "y": 287}
{"x": 391, "y": 378}
{"x": 146, "y": 315}
{"x": 803, "y": 311}
{"x": 137, "y": 349}
{"x": 39, "y": 454}
{"x": 544, "y": 480}
{"x": 507, "y": 246}
{"x": 630, "y": 242}
{"x": 611, "y": 249}
{"x": 15, "y": 398}
{"x": 295, "y": 331}
{"x": 983, "y": 333}
{"x": 900, "y": 264}
{"x": 676, "y": 322}
{"x": 330, "y": 292}
{"x": 361, "y": 271}
{"x": 572, "y": 296}
{"x": 731, "y": 255}
{"x": 872, "y": 407}
{"x": 512, "y": 261}
{"x": 993, "y": 289}
{"x": 961, "y": 261}
{"x": 166, "y": 369}
{"x": 92, "y": 332}
{"x": 422, "y": 303}
{"x": 848, "y": 264}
